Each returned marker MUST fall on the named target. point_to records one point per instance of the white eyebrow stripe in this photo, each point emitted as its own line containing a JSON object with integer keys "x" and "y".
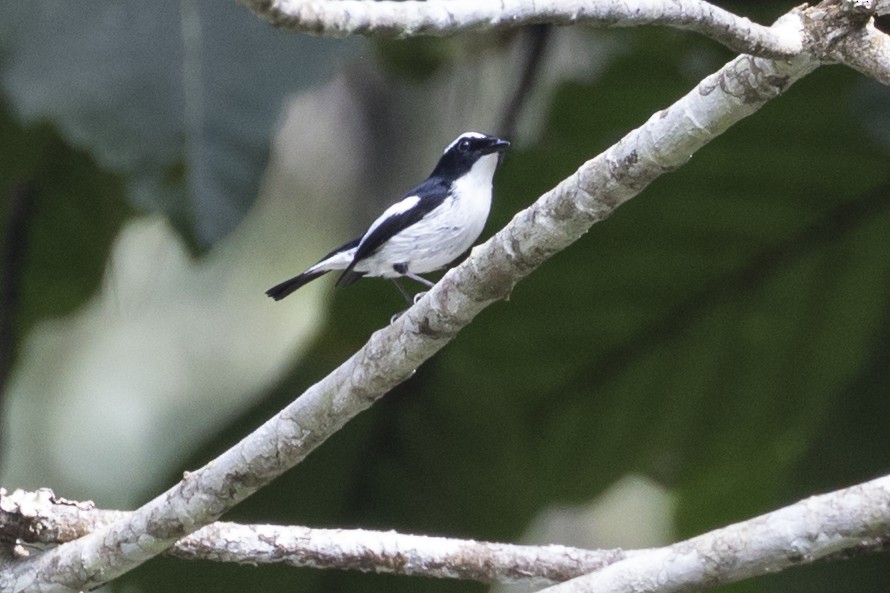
{"x": 461, "y": 137}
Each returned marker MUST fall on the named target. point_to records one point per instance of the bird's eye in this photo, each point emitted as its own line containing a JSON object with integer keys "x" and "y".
{"x": 463, "y": 145}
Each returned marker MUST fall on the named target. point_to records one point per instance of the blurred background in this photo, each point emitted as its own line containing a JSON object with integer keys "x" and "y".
{"x": 715, "y": 350}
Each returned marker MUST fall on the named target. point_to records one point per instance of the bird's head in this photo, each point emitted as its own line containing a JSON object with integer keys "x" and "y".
{"x": 466, "y": 150}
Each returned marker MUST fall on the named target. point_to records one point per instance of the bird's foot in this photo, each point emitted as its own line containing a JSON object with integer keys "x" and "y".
{"x": 419, "y": 296}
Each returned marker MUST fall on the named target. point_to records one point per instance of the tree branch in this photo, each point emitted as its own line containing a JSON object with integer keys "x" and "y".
{"x": 556, "y": 220}
{"x": 809, "y": 530}
{"x": 448, "y": 17}
{"x": 42, "y": 518}
{"x": 388, "y": 552}
{"x": 866, "y": 50}
{"x": 832, "y": 526}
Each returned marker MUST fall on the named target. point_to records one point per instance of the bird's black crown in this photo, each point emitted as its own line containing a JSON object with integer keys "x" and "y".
{"x": 462, "y": 154}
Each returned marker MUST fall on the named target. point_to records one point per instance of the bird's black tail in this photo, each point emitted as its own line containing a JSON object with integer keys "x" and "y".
{"x": 279, "y": 291}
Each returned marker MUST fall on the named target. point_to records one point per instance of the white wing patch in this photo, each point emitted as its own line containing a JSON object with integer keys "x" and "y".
{"x": 394, "y": 210}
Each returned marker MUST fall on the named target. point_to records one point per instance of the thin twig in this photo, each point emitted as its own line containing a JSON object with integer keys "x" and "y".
{"x": 535, "y": 39}
{"x": 20, "y": 211}
{"x": 447, "y": 17}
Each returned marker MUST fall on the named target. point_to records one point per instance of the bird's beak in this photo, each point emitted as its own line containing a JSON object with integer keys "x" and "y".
{"x": 496, "y": 145}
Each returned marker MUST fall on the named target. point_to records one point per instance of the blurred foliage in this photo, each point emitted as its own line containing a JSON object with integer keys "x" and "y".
{"x": 414, "y": 59}
{"x": 172, "y": 96}
{"x": 726, "y": 332}
{"x": 77, "y": 208}
{"x": 418, "y": 59}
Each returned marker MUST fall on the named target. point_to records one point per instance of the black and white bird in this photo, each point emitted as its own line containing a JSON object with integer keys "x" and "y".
{"x": 427, "y": 229}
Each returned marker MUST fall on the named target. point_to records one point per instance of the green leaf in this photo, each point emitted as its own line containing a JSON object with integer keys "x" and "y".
{"x": 179, "y": 98}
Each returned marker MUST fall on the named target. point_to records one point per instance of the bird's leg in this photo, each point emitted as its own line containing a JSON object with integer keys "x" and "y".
{"x": 423, "y": 281}
{"x": 404, "y": 292}
{"x": 417, "y": 278}
{"x": 402, "y": 268}
{"x": 411, "y": 300}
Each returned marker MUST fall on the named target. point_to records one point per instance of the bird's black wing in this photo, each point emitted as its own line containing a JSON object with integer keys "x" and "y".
{"x": 432, "y": 193}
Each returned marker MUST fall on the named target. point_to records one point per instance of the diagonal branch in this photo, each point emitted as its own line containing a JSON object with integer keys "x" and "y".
{"x": 812, "y": 529}
{"x": 556, "y": 220}
{"x": 448, "y": 17}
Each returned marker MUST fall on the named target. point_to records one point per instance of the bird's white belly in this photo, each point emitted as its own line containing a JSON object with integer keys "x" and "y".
{"x": 439, "y": 239}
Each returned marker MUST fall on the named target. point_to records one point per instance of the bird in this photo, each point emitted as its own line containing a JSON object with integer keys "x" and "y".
{"x": 428, "y": 228}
